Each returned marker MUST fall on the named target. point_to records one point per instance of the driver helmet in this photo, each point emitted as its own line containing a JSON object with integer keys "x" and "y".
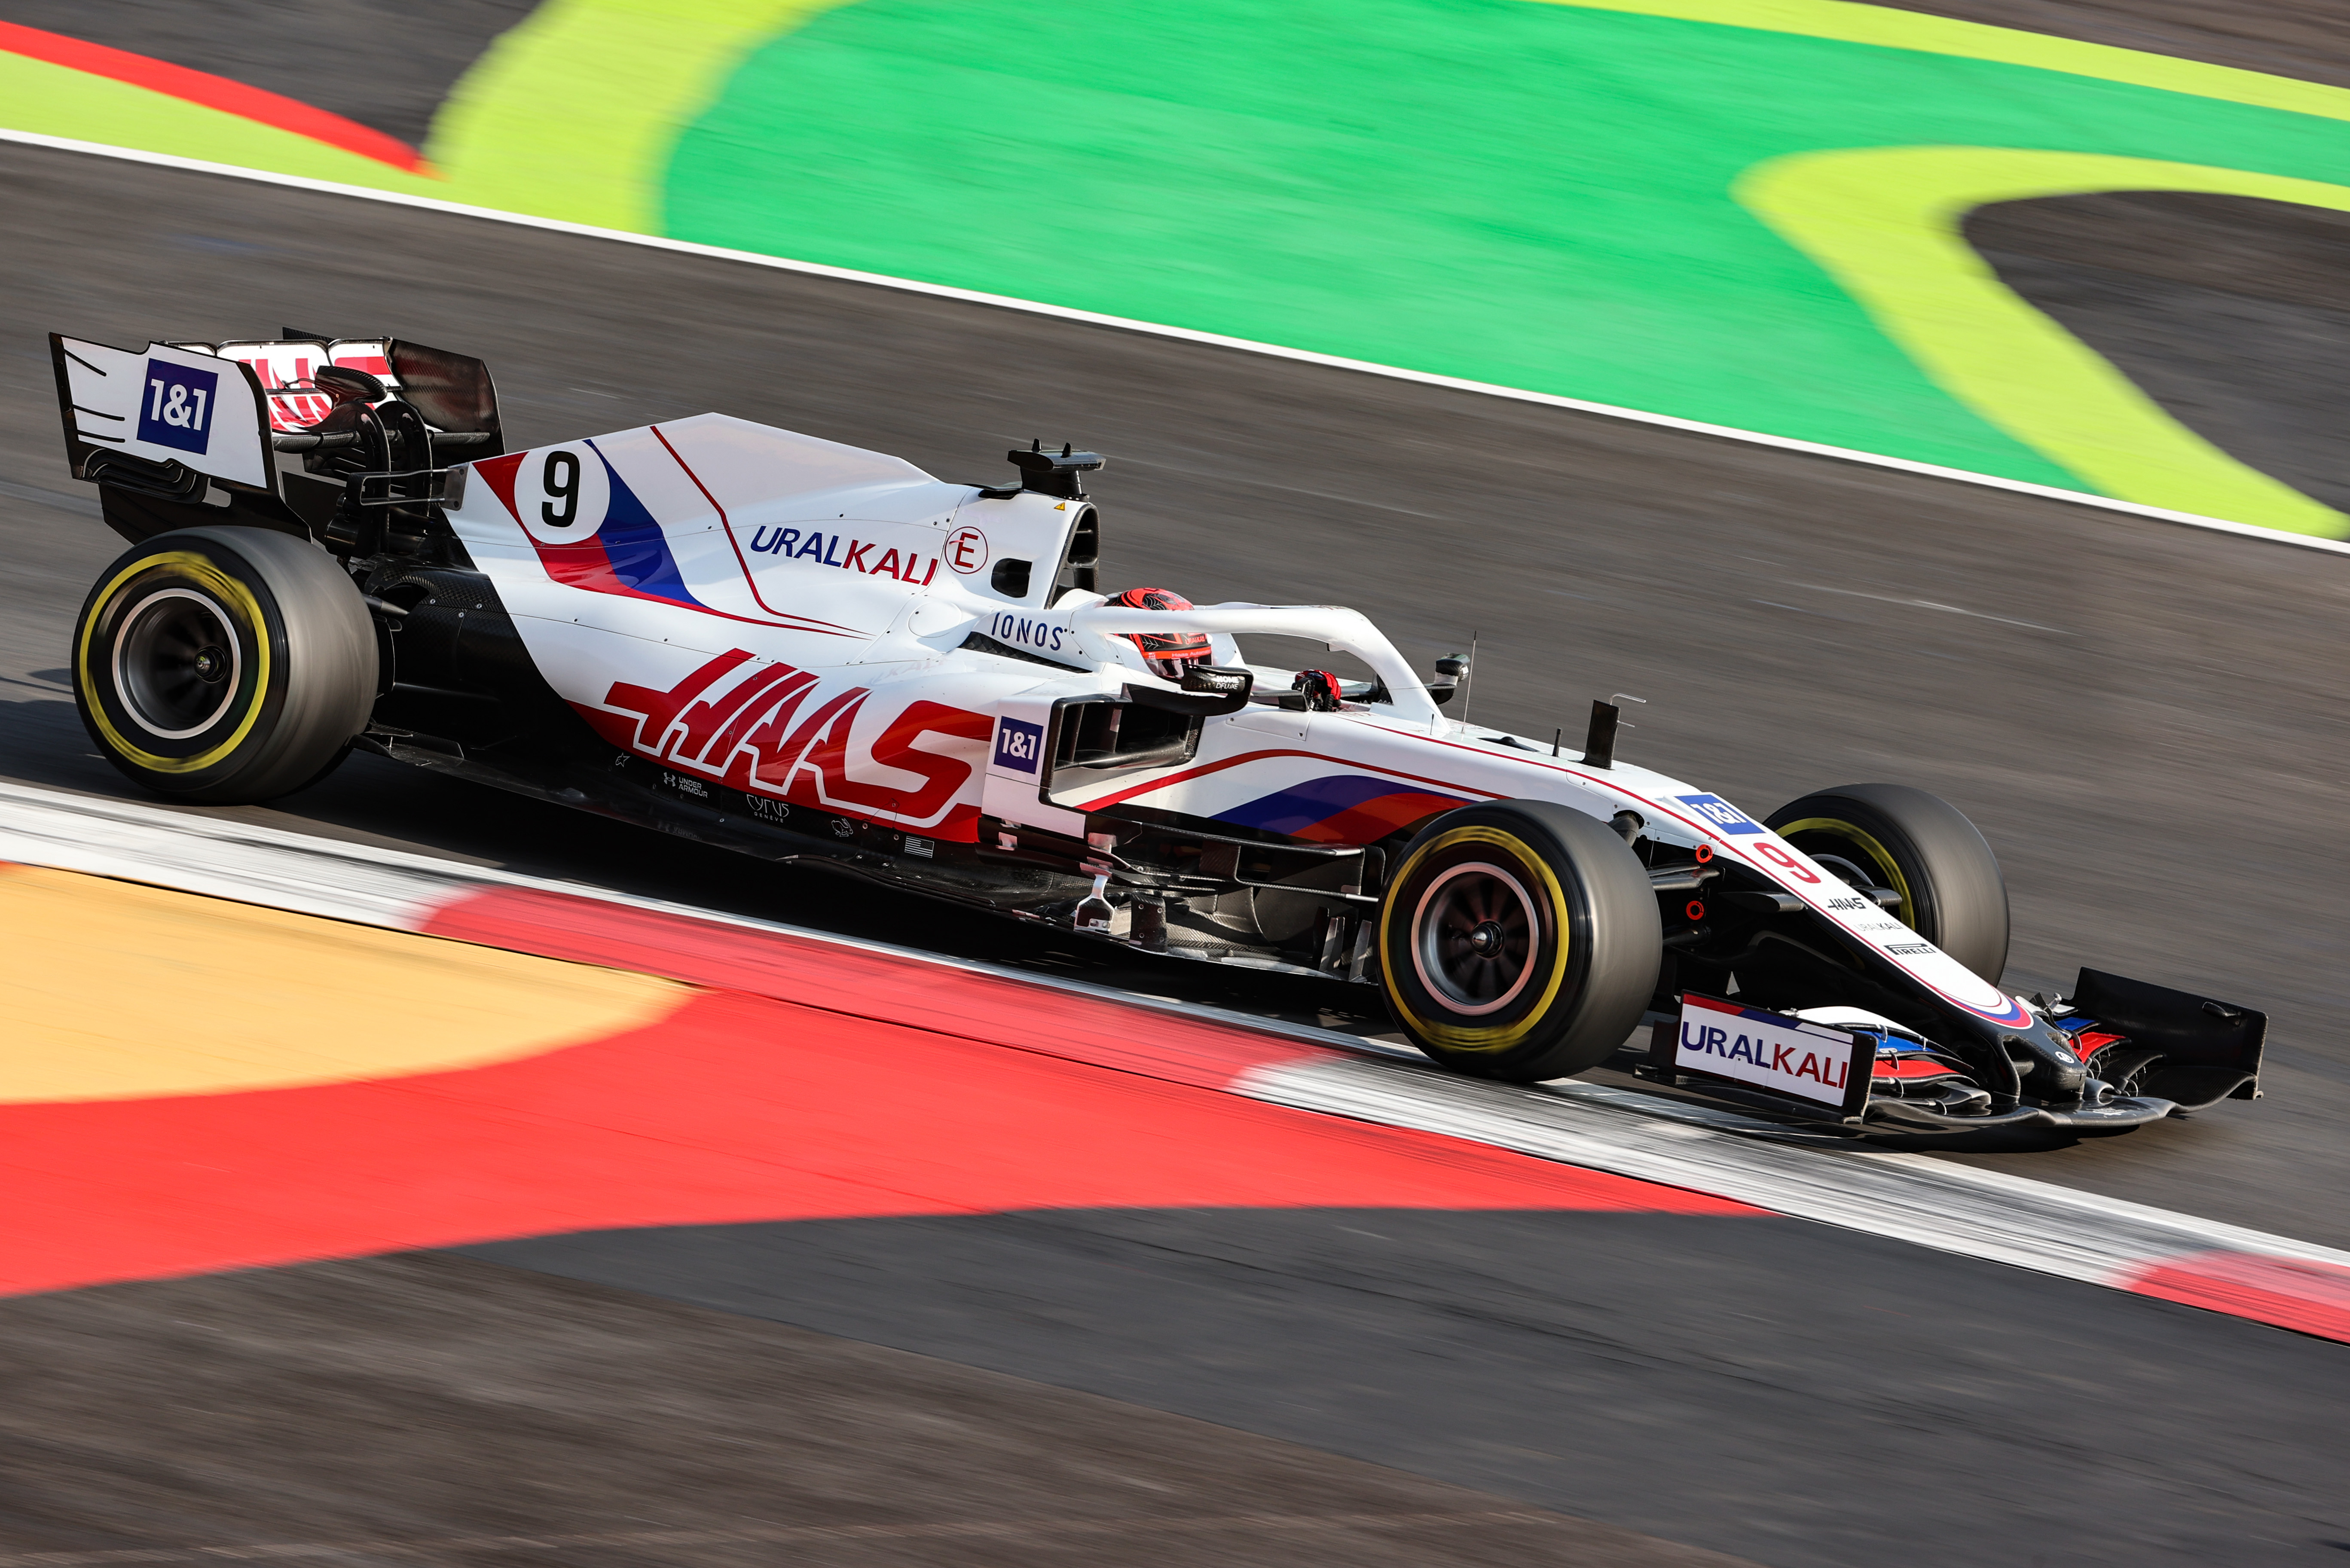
{"x": 1167, "y": 654}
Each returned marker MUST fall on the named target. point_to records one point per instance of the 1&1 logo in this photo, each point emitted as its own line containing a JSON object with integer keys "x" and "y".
{"x": 1019, "y": 745}
{"x": 178, "y": 409}
{"x": 1720, "y": 815}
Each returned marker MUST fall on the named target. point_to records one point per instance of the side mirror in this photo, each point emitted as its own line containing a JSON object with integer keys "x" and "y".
{"x": 1209, "y": 690}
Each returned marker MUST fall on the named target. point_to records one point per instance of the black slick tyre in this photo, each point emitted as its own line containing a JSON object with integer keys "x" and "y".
{"x": 223, "y": 666}
{"x": 1921, "y": 847}
{"x": 1518, "y": 939}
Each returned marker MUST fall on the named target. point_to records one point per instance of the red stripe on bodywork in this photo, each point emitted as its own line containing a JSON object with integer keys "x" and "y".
{"x": 498, "y": 473}
{"x": 1187, "y": 774}
{"x": 1374, "y": 819}
{"x": 618, "y": 730}
{"x": 1915, "y": 1067}
{"x": 587, "y": 566}
{"x": 209, "y": 91}
{"x": 2307, "y": 1297}
{"x": 727, "y": 525}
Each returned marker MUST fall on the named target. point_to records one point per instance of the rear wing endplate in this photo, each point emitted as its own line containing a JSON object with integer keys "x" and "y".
{"x": 161, "y": 420}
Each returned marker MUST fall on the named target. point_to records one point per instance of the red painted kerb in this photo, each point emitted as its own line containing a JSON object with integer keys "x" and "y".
{"x": 252, "y": 103}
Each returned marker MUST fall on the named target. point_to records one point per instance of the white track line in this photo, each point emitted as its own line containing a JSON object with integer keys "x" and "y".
{"x": 1931, "y": 1203}
{"x": 1186, "y": 334}
{"x": 397, "y": 890}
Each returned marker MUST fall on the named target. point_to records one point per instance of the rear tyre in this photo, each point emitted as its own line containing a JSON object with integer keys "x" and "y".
{"x": 223, "y": 666}
{"x": 1519, "y": 941}
{"x": 1921, "y": 847}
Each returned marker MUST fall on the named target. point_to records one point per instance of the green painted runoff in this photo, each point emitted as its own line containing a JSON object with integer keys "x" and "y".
{"x": 1531, "y": 194}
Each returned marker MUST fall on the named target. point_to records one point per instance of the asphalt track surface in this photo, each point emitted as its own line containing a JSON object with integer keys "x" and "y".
{"x": 2141, "y": 717}
{"x": 2233, "y": 313}
{"x": 2305, "y": 38}
{"x": 351, "y": 1412}
{"x": 2144, "y": 719}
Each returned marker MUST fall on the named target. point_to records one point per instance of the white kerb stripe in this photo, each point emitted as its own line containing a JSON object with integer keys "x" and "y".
{"x": 1911, "y": 1198}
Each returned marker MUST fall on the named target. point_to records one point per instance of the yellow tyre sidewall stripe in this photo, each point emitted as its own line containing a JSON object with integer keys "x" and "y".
{"x": 231, "y": 592}
{"x": 1869, "y": 844}
{"x": 1492, "y": 1038}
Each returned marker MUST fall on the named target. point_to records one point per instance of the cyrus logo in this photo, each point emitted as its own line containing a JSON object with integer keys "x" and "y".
{"x": 1019, "y": 745}
{"x": 1720, "y": 815}
{"x": 965, "y": 551}
{"x": 178, "y": 409}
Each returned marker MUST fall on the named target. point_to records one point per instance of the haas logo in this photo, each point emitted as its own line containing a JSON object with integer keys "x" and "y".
{"x": 767, "y": 733}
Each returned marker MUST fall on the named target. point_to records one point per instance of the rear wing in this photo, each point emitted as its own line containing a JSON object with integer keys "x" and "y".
{"x": 162, "y": 420}
{"x": 452, "y": 391}
{"x": 182, "y": 434}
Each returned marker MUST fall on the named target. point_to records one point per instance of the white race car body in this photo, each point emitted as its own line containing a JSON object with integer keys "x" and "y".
{"x": 789, "y": 616}
{"x": 808, "y": 651}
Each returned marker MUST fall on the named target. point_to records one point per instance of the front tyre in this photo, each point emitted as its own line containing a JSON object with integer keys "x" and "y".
{"x": 1921, "y": 845}
{"x": 1519, "y": 941}
{"x": 223, "y": 665}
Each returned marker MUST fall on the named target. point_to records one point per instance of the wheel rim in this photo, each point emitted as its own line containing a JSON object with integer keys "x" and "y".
{"x": 1474, "y": 934}
{"x": 1844, "y": 871}
{"x": 176, "y": 663}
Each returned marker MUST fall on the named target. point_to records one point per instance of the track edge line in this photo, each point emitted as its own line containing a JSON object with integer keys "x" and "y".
{"x": 1189, "y": 335}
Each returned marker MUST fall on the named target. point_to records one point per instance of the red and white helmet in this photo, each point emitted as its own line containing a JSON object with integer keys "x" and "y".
{"x": 1168, "y": 654}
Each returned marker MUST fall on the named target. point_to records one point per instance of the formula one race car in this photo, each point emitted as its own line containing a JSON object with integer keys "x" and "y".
{"x": 810, "y": 652}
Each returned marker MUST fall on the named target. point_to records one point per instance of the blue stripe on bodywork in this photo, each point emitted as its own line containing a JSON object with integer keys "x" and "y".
{"x": 635, "y": 547}
{"x": 1293, "y": 810}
